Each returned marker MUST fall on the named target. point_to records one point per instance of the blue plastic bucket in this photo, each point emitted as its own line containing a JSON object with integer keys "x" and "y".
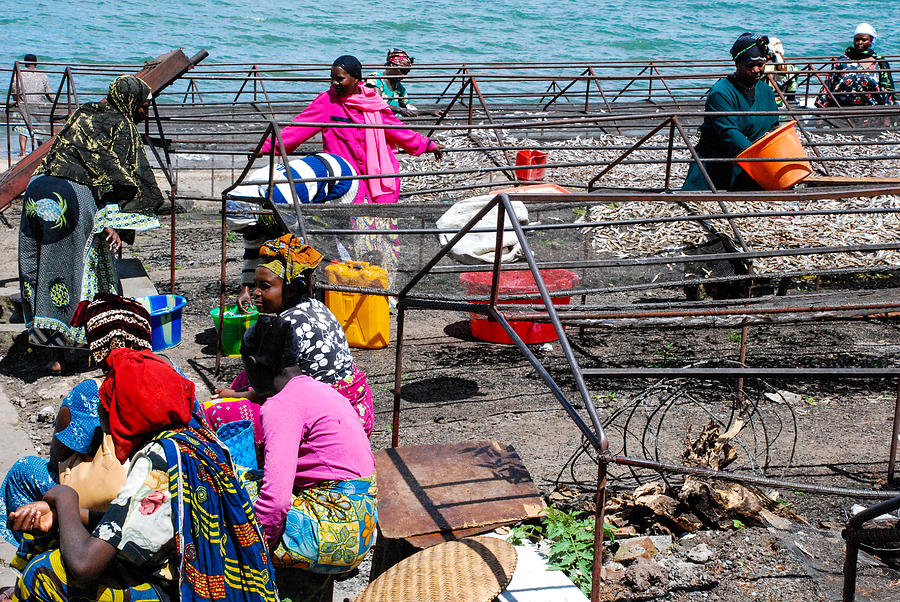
{"x": 165, "y": 319}
{"x": 238, "y": 437}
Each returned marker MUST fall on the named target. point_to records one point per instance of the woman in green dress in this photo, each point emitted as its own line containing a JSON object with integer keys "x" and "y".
{"x": 396, "y": 67}
{"x": 726, "y": 136}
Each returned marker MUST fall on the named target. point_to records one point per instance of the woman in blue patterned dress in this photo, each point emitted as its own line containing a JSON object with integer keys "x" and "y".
{"x": 94, "y": 182}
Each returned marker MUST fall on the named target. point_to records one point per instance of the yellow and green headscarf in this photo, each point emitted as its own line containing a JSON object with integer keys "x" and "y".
{"x": 288, "y": 257}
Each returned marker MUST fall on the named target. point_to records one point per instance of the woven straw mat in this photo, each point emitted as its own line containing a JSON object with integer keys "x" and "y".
{"x": 473, "y": 569}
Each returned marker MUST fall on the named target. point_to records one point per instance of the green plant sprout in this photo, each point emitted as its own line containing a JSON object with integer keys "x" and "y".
{"x": 571, "y": 537}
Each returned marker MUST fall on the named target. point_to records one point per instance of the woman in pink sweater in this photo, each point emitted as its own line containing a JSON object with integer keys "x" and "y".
{"x": 370, "y": 150}
{"x": 317, "y": 502}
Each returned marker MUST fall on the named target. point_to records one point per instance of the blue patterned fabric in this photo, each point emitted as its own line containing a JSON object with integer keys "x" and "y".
{"x": 27, "y": 481}
{"x": 320, "y": 165}
{"x": 329, "y": 527}
{"x": 222, "y": 552}
{"x": 83, "y": 431}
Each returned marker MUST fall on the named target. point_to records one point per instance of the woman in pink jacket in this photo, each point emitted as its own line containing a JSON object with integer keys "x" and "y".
{"x": 369, "y": 150}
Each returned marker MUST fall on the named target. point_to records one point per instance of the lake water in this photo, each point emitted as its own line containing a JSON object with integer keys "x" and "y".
{"x": 451, "y": 30}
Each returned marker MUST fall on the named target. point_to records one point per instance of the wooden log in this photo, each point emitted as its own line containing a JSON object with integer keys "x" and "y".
{"x": 848, "y": 181}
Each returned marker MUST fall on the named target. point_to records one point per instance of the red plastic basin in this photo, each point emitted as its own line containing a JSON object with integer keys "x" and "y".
{"x": 516, "y": 282}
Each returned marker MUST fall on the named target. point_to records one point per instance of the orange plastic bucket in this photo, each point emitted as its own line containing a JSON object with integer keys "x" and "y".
{"x": 531, "y": 157}
{"x": 777, "y": 144}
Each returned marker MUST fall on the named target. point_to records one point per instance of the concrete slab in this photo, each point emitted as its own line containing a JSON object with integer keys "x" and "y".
{"x": 134, "y": 279}
{"x": 534, "y": 582}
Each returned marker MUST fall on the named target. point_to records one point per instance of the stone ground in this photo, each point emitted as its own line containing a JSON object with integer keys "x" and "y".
{"x": 456, "y": 388}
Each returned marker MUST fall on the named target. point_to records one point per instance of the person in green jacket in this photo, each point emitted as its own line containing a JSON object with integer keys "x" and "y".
{"x": 726, "y": 136}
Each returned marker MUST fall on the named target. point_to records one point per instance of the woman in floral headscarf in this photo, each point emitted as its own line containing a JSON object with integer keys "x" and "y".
{"x": 396, "y": 67}
{"x": 284, "y": 285}
{"x": 94, "y": 181}
{"x": 859, "y": 78}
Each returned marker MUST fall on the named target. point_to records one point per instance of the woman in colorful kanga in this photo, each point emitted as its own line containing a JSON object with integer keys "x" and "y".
{"x": 182, "y": 527}
{"x": 110, "y": 322}
{"x": 284, "y": 285}
{"x": 317, "y": 503}
{"x": 859, "y": 78}
{"x": 389, "y": 85}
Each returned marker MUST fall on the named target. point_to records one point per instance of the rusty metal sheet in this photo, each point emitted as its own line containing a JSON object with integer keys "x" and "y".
{"x": 158, "y": 73}
{"x": 459, "y": 487}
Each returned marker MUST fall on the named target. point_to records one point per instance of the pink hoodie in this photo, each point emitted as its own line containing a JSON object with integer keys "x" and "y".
{"x": 350, "y": 143}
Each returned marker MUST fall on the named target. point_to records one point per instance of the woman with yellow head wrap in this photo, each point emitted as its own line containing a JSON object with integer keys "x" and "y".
{"x": 284, "y": 285}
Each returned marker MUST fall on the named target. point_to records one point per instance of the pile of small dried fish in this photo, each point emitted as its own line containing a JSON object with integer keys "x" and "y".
{"x": 645, "y": 168}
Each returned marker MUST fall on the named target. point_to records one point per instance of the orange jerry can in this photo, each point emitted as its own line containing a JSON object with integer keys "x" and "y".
{"x": 365, "y": 318}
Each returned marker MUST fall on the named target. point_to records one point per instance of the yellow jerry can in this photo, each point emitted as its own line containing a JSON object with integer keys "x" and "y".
{"x": 365, "y": 318}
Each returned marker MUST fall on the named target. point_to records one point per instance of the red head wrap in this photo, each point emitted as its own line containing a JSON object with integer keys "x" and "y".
{"x": 143, "y": 395}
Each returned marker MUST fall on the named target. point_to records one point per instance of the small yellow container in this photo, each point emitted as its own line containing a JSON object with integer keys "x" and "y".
{"x": 365, "y": 318}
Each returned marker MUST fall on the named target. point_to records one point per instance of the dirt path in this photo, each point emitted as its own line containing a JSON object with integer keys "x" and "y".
{"x": 456, "y": 389}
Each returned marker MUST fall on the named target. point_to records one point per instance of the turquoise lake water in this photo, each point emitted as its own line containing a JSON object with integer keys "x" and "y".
{"x": 451, "y": 30}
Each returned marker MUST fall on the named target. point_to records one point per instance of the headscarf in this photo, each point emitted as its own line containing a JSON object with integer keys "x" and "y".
{"x": 867, "y": 29}
{"x": 378, "y": 153}
{"x": 268, "y": 346}
{"x": 100, "y": 147}
{"x": 84, "y": 422}
{"x": 398, "y": 58}
{"x": 143, "y": 395}
{"x": 111, "y": 322}
{"x": 288, "y": 257}
{"x": 776, "y": 49}
{"x": 750, "y": 47}
{"x": 350, "y": 64}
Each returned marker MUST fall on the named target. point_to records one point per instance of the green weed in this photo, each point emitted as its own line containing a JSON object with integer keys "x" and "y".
{"x": 666, "y": 352}
{"x": 734, "y": 336}
{"x": 572, "y": 543}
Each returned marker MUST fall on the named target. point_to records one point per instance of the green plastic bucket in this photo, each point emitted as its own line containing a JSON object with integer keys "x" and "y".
{"x": 235, "y": 325}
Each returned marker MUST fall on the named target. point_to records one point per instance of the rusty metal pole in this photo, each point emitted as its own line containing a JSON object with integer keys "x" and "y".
{"x": 172, "y": 188}
{"x": 742, "y": 359}
{"x": 498, "y": 249}
{"x": 398, "y": 372}
{"x": 471, "y": 100}
{"x": 222, "y": 281}
{"x": 599, "y": 518}
{"x": 848, "y": 594}
{"x": 895, "y": 432}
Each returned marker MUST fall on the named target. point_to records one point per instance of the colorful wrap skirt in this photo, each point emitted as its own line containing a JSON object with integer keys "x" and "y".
{"x": 329, "y": 527}
{"x": 44, "y": 579}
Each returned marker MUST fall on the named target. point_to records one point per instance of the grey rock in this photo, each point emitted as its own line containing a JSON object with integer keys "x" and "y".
{"x": 46, "y": 414}
{"x": 700, "y": 553}
{"x": 643, "y": 573}
{"x": 685, "y": 574}
{"x": 662, "y": 542}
